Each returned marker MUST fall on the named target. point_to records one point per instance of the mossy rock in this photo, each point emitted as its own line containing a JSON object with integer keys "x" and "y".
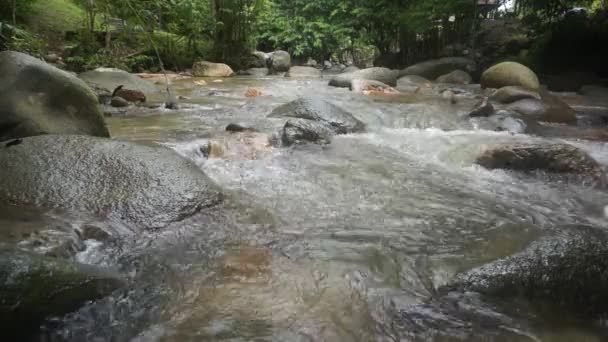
{"x": 510, "y": 74}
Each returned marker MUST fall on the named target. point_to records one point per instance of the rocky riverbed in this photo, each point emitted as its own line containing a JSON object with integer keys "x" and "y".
{"x": 321, "y": 214}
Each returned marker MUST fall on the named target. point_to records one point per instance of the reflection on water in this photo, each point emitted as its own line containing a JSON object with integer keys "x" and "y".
{"x": 346, "y": 242}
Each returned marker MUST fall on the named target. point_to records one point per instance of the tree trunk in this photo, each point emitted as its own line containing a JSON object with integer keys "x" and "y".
{"x": 14, "y": 12}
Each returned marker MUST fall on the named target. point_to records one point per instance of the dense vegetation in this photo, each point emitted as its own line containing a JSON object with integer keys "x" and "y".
{"x": 133, "y": 33}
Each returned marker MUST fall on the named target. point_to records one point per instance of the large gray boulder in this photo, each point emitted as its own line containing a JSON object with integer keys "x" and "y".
{"x": 303, "y": 72}
{"x": 383, "y": 75}
{"x": 108, "y": 79}
{"x": 279, "y": 61}
{"x": 568, "y": 270}
{"x": 37, "y": 98}
{"x": 209, "y": 69}
{"x": 561, "y": 159}
{"x": 437, "y": 67}
{"x": 334, "y": 117}
{"x": 510, "y": 74}
{"x": 147, "y": 187}
{"x": 34, "y": 287}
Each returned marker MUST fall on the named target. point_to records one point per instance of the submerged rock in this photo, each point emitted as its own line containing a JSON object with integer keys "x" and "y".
{"x": 367, "y": 87}
{"x": 383, "y": 75}
{"x": 510, "y": 74}
{"x": 209, "y": 69}
{"x": 336, "y": 118}
{"x": 303, "y": 71}
{"x": 37, "y": 98}
{"x": 569, "y": 270}
{"x": 119, "y": 102}
{"x": 456, "y": 77}
{"x": 148, "y": 187}
{"x": 509, "y": 94}
{"x": 550, "y": 109}
{"x": 551, "y": 158}
{"x": 437, "y": 67}
{"x": 482, "y": 108}
{"x": 301, "y": 131}
{"x": 34, "y": 287}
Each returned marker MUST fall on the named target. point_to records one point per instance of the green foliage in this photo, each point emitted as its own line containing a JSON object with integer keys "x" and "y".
{"x": 16, "y": 39}
{"x": 17, "y": 7}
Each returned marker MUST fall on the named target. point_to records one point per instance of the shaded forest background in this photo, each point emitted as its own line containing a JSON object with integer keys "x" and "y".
{"x": 550, "y": 35}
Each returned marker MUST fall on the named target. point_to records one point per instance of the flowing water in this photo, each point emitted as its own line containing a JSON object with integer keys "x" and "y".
{"x": 344, "y": 242}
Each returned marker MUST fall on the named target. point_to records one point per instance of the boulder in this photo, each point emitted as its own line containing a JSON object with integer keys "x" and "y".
{"x": 455, "y": 77}
{"x": 336, "y": 118}
{"x": 568, "y": 270}
{"x": 368, "y": 86}
{"x": 550, "y": 158}
{"x": 303, "y": 72}
{"x": 34, "y": 287}
{"x": 510, "y": 74}
{"x": 437, "y": 67}
{"x": 549, "y": 109}
{"x": 351, "y": 68}
{"x": 258, "y": 59}
{"x": 257, "y": 72}
{"x": 144, "y": 186}
{"x": 37, "y": 98}
{"x": 209, "y": 69}
{"x": 119, "y": 102}
{"x": 412, "y": 83}
{"x": 279, "y": 61}
{"x": 383, "y": 75}
{"x": 509, "y": 94}
{"x": 302, "y": 131}
{"x": 108, "y": 79}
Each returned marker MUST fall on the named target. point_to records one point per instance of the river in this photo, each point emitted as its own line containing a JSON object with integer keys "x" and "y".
{"x": 344, "y": 242}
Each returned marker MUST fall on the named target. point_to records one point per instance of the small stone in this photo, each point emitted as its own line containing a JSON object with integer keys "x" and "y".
{"x": 235, "y": 128}
{"x": 482, "y": 108}
{"x": 119, "y": 102}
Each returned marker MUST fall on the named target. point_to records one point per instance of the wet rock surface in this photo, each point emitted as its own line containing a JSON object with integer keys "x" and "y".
{"x": 301, "y": 131}
{"x": 37, "y": 98}
{"x": 321, "y": 111}
{"x": 34, "y": 287}
{"x": 552, "y": 158}
{"x": 567, "y": 270}
{"x": 149, "y": 187}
